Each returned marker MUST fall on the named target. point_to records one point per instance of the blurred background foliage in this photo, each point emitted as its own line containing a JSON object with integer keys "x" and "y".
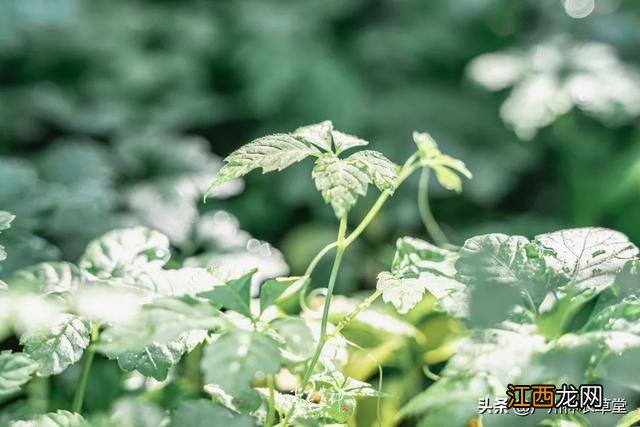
{"x": 117, "y": 113}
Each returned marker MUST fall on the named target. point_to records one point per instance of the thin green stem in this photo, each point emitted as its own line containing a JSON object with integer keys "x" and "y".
{"x": 356, "y": 311}
{"x": 406, "y": 170}
{"x": 78, "y": 398}
{"x": 271, "y": 410}
{"x": 426, "y": 215}
{"x": 340, "y": 243}
{"x": 312, "y": 266}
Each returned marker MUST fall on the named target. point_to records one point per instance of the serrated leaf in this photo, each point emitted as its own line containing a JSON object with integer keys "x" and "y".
{"x": 154, "y": 360}
{"x": 271, "y": 153}
{"x": 414, "y": 256}
{"x": 319, "y": 134}
{"x": 16, "y": 370}
{"x": 204, "y": 413}
{"x": 235, "y": 294}
{"x": 504, "y": 271}
{"x": 381, "y": 171}
{"x": 49, "y": 277}
{"x": 59, "y": 346}
{"x": 272, "y": 289}
{"x": 123, "y": 253}
{"x": 234, "y": 359}
{"x": 159, "y": 322}
{"x": 54, "y": 419}
{"x": 403, "y": 293}
{"x": 340, "y": 183}
{"x": 498, "y": 258}
{"x": 590, "y": 258}
{"x": 343, "y": 141}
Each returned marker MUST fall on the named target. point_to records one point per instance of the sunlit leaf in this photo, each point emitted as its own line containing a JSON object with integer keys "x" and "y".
{"x": 319, "y": 134}
{"x": 159, "y": 322}
{"x": 234, "y": 294}
{"x": 121, "y": 253}
{"x": 340, "y": 183}
{"x": 59, "y": 346}
{"x": 271, "y": 153}
{"x": 382, "y": 172}
{"x": 235, "y": 359}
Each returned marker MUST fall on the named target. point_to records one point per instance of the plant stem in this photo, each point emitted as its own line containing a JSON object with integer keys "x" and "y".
{"x": 406, "y": 170}
{"x": 78, "y": 398}
{"x": 426, "y": 215}
{"x": 312, "y": 266}
{"x": 356, "y": 311}
{"x": 340, "y": 243}
{"x": 271, "y": 412}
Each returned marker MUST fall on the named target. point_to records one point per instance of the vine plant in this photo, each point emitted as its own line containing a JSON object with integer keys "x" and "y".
{"x": 561, "y": 308}
{"x": 121, "y": 302}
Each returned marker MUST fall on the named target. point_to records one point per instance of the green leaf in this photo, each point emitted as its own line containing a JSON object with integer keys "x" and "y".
{"x": 343, "y": 141}
{"x": 59, "y": 346}
{"x": 446, "y": 167}
{"x": 271, "y": 290}
{"x": 589, "y": 258}
{"x": 414, "y": 256}
{"x": 234, "y": 294}
{"x": 340, "y": 183}
{"x": 422, "y": 264}
{"x": 154, "y": 360}
{"x": 452, "y": 296}
{"x": 403, "y": 293}
{"x": 159, "y": 322}
{"x": 271, "y": 153}
{"x": 504, "y": 271}
{"x": 381, "y": 171}
{"x": 123, "y": 253}
{"x": 204, "y": 413}
{"x": 235, "y": 359}
{"x": 295, "y": 338}
{"x": 16, "y": 370}
{"x": 319, "y": 134}
{"x": 448, "y": 179}
{"x": 54, "y": 419}
{"x": 49, "y": 277}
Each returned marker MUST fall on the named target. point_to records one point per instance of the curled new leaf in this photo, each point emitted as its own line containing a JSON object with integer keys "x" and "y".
{"x": 445, "y": 167}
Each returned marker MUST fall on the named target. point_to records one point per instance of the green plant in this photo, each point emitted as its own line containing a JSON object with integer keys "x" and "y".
{"x": 120, "y": 302}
